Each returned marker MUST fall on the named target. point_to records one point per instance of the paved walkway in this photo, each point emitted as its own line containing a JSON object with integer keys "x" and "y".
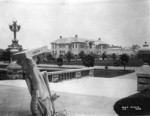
{"x": 81, "y": 66}
{"x": 88, "y": 96}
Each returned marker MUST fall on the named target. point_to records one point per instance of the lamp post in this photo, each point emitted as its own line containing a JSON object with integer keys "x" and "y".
{"x": 14, "y": 28}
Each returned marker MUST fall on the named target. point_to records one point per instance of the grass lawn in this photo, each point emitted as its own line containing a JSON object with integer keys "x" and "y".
{"x": 110, "y": 73}
{"x": 132, "y": 62}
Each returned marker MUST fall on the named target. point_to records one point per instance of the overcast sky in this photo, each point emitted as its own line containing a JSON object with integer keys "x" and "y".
{"x": 118, "y": 22}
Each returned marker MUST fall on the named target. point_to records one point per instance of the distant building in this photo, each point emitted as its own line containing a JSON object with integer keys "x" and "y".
{"x": 118, "y": 50}
{"x": 144, "y": 53}
{"x": 115, "y": 50}
{"x": 100, "y": 46}
{"x": 75, "y": 45}
{"x": 127, "y": 50}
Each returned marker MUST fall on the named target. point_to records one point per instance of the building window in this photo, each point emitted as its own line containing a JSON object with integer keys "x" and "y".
{"x": 76, "y": 45}
{"x": 82, "y": 45}
{"x": 61, "y": 46}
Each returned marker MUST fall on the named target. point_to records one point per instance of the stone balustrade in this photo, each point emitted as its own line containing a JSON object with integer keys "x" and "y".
{"x": 143, "y": 78}
{"x": 70, "y": 74}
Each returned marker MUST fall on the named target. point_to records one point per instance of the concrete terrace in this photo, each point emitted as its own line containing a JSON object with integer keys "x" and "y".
{"x": 88, "y": 96}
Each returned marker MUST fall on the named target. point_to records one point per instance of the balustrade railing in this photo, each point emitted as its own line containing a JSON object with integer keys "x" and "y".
{"x": 70, "y": 74}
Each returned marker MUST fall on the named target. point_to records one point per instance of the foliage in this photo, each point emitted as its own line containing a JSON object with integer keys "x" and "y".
{"x": 39, "y": 60}
{"x": 114, "y": 56}
{"x": 69, "y": 56}
{"x": 145, "y": 57}
{"x": 1, "y": 54}
{"x": 88, "y": 60}
{"x": 59, "y": 61}
{"x": 81, "y": 55}
{"x": 104, "y": 56}
{"x": 124, "y": 60}
{"x": 49, "y": 57}
{"x": 116, "y": 62}
{"x": 96, "y": 56}
{"x": 6, "y": 55}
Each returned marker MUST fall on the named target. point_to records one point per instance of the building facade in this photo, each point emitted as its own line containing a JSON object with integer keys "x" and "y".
{"x": 120, "y": 50}
{"x": 75, "y": 45}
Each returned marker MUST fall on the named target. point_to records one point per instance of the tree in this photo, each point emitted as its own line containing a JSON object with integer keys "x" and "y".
{"x": 39, "y": 60}
{"x": 81, "y": 55}
{"x": 114, "y": 56}
{"x": 1, "y": 54}
{"x": 124, "y": 60}
{"x": 50, "y": 57}
{"x": 88, "y": 60}
{"x": 144, "y": 56}
{"x": 59, "y": 61}
{"x": 69, "y": 56}
{"x": 104, "y": 56}
{"x": 95, "y": 55}
{"x": 6, "y": 55}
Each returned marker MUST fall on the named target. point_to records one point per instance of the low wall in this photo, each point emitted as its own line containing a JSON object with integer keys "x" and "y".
{"x": 70, "y": 74}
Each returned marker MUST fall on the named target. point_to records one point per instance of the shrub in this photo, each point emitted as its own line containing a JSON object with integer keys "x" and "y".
{"x": 114, "y": 56}
{"x": 104, "y": 56}
{"x": 88, "y": 60}
{"x": 81, "y": 55}
{"x": 50, "y": 57}
{"x": 116, "y": 63}
{"x": 59, "y": 61}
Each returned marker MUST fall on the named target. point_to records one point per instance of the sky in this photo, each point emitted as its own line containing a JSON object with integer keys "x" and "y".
{"x": 117, "y": 22}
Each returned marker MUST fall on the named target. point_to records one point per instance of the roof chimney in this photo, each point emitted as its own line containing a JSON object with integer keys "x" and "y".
{"x": 60, "y": 36}
{"x": 76, "y": 36}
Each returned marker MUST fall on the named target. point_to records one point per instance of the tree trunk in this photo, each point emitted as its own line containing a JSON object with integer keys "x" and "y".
{"x": 124, "y": 67}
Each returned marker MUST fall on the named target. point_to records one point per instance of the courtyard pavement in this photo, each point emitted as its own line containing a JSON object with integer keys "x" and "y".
{"x": 88, "y": 96}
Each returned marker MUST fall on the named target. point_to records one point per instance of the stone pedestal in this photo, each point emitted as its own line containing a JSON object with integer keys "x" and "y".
{"x": 78, "y": 74}
{"x": 143, "y": 78}
{"x": 91, "y": 73}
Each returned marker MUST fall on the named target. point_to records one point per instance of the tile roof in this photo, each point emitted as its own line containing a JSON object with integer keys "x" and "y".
{"x": 68, "y": 40}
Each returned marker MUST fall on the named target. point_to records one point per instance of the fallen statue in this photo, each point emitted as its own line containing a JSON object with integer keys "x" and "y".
{"x": 42, "y": 102}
